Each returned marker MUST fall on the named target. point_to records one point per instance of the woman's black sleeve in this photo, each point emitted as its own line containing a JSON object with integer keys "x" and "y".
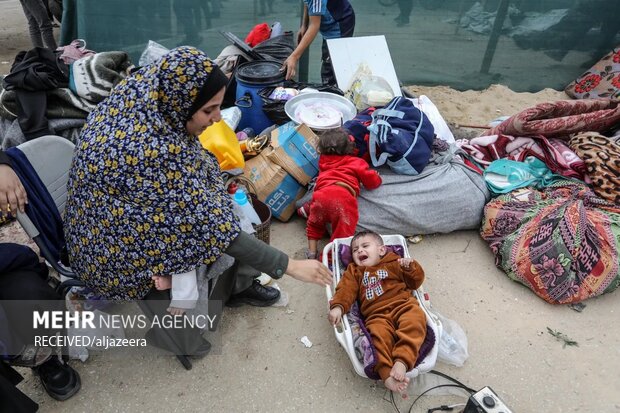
{"x": 249, "y": 250}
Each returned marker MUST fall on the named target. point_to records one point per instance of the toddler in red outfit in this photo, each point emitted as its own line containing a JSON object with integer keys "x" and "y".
{"x": 335, "y": 194}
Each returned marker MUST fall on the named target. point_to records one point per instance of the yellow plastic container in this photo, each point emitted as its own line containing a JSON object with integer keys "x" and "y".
{"x": 220, "y": 140}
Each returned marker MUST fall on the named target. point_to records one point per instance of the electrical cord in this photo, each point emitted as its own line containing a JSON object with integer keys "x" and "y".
{"x": 452, "y": 379}
{"x": 394, "y": 402}
{"x": 432, "y": 388}
{"x": 445, "y": 408}
{"x": 456, "y": 384}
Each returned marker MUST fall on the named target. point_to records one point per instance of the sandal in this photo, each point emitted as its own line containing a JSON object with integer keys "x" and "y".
{"x": 257, "y": 143}
{"x": 311, "y": 255}
{"x": 32, "y": 356}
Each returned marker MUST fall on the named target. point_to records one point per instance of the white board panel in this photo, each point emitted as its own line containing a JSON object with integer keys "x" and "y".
{"x": 348, "y": 53}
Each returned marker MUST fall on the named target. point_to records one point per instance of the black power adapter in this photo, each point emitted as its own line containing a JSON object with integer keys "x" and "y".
{"x": 485, "y": 400}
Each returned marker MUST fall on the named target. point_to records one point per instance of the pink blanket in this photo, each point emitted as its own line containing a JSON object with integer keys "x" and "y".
{"x": 558, "y": 157}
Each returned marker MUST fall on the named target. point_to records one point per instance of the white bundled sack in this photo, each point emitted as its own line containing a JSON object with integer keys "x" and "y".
{"x": 368, "y": 90}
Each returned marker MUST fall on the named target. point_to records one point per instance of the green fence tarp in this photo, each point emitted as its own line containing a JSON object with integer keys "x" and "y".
{"x": 526, "y": 45}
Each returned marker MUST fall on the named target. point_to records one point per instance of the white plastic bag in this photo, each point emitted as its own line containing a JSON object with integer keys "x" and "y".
{"x": 452, "y": 342}
{"x": 153, "y": 52}
{"x": 442, "y": 130}
{"x": 368, "y": 90}
{"x": 231, "y": 116}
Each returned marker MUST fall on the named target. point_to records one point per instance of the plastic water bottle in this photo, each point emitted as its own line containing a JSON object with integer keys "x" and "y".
{"x": 241, "y": 199}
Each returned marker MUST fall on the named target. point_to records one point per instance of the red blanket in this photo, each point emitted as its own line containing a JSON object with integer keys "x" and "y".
{"x": 561, "y": 118}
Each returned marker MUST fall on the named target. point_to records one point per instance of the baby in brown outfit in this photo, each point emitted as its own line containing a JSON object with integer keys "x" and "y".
{"x": 383, "y": 282}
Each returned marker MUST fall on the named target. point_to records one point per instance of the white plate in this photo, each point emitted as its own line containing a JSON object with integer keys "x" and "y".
{"x": 320, "y": 110}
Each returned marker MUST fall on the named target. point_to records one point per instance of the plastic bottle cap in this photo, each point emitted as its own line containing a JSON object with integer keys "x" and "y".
{"x": 240, "y": 197}
{"x": 232, "y": 188}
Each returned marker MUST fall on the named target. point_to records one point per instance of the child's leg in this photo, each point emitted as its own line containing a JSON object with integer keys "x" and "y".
{"x": 344, "y": 219}
{"x": 410, "y": 334}
{"x": 315, "y": 226}
{"x": 327, "y": 69}
{"x": 313, "y": 246}
{"x": 381, "y": 331}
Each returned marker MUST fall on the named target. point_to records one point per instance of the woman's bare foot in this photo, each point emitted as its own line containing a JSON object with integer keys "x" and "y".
{"x": 162, "y": 282}
{"x": 397, "y": 386}
{"x": 398, "y": 371}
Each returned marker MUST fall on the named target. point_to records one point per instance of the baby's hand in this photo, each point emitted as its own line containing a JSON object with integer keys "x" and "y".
{"x": 335, "y": 315}
{"x": 404, "y": 262}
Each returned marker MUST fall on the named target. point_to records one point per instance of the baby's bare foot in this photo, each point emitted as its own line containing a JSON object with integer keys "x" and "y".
{"x": 398, "y": 371}
{"x": 176, "y": 311}
{"x": 162, "y": 282}
{"x": 396, "y": 386}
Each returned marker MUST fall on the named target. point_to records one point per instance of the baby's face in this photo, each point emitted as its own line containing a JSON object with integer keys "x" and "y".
{"x": 367, "y": 251}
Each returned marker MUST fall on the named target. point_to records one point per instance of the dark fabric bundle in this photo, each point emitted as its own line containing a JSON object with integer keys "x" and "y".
{"x": 33, "y": 73}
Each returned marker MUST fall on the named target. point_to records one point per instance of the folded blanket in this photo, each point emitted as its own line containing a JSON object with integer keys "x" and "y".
{"x": 602, "y": 158}
{"x": 553, "y": 152}
{"x": 93, "y": 77}
{"x": 11, "y": 134}
{"x": 61, "y": 103}
{"x": 561, "y": 118}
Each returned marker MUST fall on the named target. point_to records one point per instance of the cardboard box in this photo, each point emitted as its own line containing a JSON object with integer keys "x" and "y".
{"x": 294, "y": 149}
{"x": 277, "y": 189}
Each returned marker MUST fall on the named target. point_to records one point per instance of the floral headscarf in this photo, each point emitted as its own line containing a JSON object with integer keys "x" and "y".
{"x": 144, "y": 198}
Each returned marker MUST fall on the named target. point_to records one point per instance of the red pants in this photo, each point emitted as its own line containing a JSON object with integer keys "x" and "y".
{"x": 332, "y": 205}
{"x": 397, "y": 335}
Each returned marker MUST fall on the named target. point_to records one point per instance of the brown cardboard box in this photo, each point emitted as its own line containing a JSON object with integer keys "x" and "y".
{"x": 295, "y": 149}
{"x": 277, "y": 189}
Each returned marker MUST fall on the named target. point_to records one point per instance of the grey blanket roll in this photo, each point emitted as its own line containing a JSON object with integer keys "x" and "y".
{"x": 442, "y": 199}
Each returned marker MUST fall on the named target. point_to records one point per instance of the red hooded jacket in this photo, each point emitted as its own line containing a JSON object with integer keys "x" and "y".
{"x": 346, "y": 169}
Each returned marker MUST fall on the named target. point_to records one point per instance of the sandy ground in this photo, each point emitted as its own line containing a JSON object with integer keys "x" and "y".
{"x": 264, "y": 367}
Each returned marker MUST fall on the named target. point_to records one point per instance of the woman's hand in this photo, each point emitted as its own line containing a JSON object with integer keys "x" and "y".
{"x": 310, "y": 271}
{"x": 12, "y": 192}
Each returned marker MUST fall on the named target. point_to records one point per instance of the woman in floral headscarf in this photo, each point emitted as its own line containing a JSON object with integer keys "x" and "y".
{"x": 144, "y": 198}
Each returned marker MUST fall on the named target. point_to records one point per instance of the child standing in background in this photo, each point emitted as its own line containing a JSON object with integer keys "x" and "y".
{"x": 383, "y": 283}
{"x": 334, "y": 19}
{"x": 335, "y": 195}
{"x": 39, "y": 23}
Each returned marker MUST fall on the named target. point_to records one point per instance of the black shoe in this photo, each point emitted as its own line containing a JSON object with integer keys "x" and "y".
{"x": 256, "y": 295}
{"x": 201, "y": 351}
{"x": 59, "y": 379}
